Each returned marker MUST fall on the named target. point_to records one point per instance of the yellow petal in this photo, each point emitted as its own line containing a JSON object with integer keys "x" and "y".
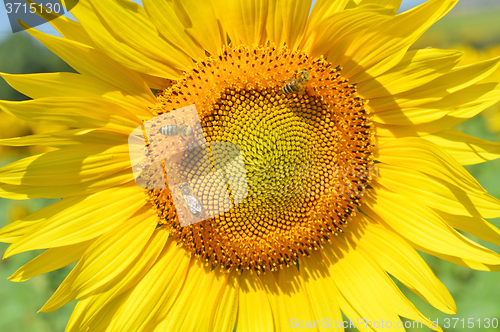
{"x": 204, "y": 285}
{"x": 424, "y": 228}
{"x": 87, "y": 60}
{"x": 467, "y": 263}
{"x": 162, "y": 327}
{"x": 410, "y": 116}
{"x": 320, "y": 11}
{"x": 70, "y": 84}
{"x": 224, "y": 317}
{"x": 75, "y": 112}
{"x": 417, "y": 68}
{"x": 420, "y": 155}
{"x": 72, "y": 165}
{"x": 150, "y": 300}
{"x": 109, "y": 256}
{"x": 271, "y": 287}
{"x": 359, "y": 293}
{"x": 398, "y": 35}
{"x": 400, "y": 260}
{"x": 244, "y": 21}
{"x": 155, "y": 82}
{"x": 394, "y": 4}
{"x": 286, "y": 21}
{"x": 50, "y": 260}
{"x": 475, "y": 226}
{"x": 383, "y": 45}
{"x": 460, "y": 106}
{"x": 252, "y": 291}
{"x": 68, "y": 28}
{"x": 89, "y": 309}
{"x": 332, "y": 35}
{"x": 353, "y": 3}
{"x": 447, "y": 91}
{"x": 434, "y": 192}
{"x": 14, "y": 191}
{"x": 458, "y": 79}
{"x": 321, "y": 290}
{"x": 466, "y": 149}
{"x": 124, "y": 32}
{"x": 78, "y": 219}
{"x": 163, "y": 16}
{"x": 201, "y": 23}
{"x": 293, "y": 301}
{"x": 17, "y": 229}
{"x": 67, "y": 138}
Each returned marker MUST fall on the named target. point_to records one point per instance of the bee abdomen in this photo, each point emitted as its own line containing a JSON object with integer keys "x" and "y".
{"x": 289, "y": 89}
{"x": 169, "y": 130}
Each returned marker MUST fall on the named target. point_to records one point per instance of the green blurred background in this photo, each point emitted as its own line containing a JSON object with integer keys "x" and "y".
{"x": 20, "y": 301}
{"x": 472, "y": 28}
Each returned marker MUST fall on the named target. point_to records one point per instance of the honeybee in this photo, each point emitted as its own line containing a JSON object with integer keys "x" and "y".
{"x": 175, "y": 129}
{"x": 192, "y": 203}
{"x": 297, "y": 82}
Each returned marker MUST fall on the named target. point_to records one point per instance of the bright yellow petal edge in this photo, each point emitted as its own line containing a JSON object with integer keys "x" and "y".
{"x": 134, "y": 273}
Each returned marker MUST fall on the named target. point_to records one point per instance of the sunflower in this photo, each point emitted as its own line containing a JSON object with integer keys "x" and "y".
{"x": 348, "y": 159}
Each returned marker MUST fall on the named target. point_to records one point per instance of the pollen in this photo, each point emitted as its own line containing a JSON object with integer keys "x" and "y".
{"x": 308, "y": 156}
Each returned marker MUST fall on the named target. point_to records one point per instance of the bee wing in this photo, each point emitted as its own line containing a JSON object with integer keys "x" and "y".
{"x": 192, "y": 203}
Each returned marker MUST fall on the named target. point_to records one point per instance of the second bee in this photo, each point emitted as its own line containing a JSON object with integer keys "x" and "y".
{"x": 297, "y": 83}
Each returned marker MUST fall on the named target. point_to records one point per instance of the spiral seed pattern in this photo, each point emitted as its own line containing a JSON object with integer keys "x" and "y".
{"x": 307, "y": 156}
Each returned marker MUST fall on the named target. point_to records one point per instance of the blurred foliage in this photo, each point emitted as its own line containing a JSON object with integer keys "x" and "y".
{"x": 22, "y": 54}
{"x": 21, "y": 301}
{"x": 478, "y": 30}
{"x": 18, "y": 312}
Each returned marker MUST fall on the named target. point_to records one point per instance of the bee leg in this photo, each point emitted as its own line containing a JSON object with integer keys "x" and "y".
{"x": 173, "y": 118}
